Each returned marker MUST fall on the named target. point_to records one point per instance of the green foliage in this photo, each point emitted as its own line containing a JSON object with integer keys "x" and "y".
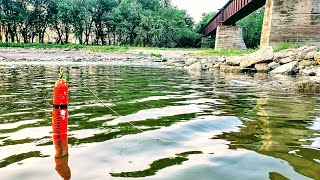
{"x": 285, "y": 45}
{"x": 252, "y": 28}
{"x": 100, "y": 22}
{"x": 157, "y": 55}
{"x": 230, "y": 52}
{"x": 206, "y": 17}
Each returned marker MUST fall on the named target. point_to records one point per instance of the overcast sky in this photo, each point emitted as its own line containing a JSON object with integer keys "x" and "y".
{"x": 196, "y": 7}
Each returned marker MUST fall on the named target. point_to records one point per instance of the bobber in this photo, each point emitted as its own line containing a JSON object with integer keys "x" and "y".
{"x": 60, "y": 118}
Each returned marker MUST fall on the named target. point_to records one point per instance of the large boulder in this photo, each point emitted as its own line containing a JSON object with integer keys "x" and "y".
{"x": 261, "y": 56}
{"x": 230, "y": 69}
{"x": 262, "y": 67}
{"x": 233, "y": 60}
{"x": 290, "y": 68}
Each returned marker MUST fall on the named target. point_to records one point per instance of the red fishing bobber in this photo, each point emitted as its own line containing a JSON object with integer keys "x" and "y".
{"x": 60, "y": 118}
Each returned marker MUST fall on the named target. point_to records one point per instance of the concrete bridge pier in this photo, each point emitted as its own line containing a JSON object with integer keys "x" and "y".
{"x": 229, "y": 37}
{"x": 291, "y": 21}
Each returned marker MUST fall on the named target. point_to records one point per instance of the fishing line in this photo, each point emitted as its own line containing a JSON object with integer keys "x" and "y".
{"x": 166, "y": 140}
{"x": 115, "y": 112}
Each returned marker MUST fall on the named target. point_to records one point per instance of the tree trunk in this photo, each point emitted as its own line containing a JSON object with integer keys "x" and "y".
{"x": 59, "y": 34}
{"x": 67, "y": 35}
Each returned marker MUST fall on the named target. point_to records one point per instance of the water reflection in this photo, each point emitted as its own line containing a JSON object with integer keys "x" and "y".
{"x": 62, "y": 167}
{"x": 61, "y": 158}
{"x": 218, "y": 127}
{"x": 277, "y": 126}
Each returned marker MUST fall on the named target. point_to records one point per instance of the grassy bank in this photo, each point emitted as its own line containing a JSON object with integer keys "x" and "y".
{"x": 231, "y": 52}
{"x": 94, "y": 48}
{"x": 66, "y": 46}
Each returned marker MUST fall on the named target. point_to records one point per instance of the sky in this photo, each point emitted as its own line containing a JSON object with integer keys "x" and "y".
{"x": 195, "y": 8}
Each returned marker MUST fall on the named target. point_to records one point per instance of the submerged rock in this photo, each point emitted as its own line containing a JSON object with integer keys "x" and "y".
{"x": 191, "y": 61}
{"x": 239, "y": 83}
{"x": 308, "y": 86}
{"x": 262, "y": 67}
{"x": 230, "y": 69}
{"x": 290, "y": 68}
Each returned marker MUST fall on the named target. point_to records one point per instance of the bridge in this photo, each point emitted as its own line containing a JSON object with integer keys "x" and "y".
{"x": 284, "y": 21}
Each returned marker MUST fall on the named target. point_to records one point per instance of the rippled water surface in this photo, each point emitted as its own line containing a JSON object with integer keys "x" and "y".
{"x": 190, "y": 127}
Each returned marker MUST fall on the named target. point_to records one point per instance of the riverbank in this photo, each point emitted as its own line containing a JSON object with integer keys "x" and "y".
{"x": 303, "y": 62}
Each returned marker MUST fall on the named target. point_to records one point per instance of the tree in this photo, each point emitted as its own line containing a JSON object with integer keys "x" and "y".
{"x": 252, "y": 27}
{"x": 206, "y": 17}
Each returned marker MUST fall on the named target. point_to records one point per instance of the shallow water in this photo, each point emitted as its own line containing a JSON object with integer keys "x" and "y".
{"x": 172, "y": 126}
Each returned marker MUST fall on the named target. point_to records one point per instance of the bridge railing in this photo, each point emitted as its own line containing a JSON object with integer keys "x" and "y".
{"x": 229, "y": 10}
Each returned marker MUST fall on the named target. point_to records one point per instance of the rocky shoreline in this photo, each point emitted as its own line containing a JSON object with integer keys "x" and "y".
{"x": 303, "y": 62}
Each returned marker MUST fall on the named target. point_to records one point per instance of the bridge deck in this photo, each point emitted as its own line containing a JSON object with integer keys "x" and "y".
{"x": 232, "y": 12}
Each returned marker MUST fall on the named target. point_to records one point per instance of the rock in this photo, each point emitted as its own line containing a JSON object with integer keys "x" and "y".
{"x": 279, "y": 55}
{"x": 306, "y": 63}
{"x": 309, "y": 49}
{"x": 261, "y": 56}
{"x": 310, "y": 55}
{"x": 317, "y": 57}
{"x": 318, "y": 72}
{"x": 239, "y": 83}
{"x": 191, "y": 61}
{"x": 263, "y": 67}
{"x": 209, "y": 63}
{"x": 221, "y": 60}
{"x": 173, "y": 62}
{"x": 178, "y": 65}
{"x": 308, "y": 86}
{"x": 308, "y": 72}
{"x": 233, "y": 60}
{"x": 197, "y": 67}
{"x": 260, "y": 76}
{"x": 285, "y": 60}
{"x": 230, "y": 69}
{"x": 290, "y": 68}
{"x": 217, "y": 66}
{"x": 273, "y": 65}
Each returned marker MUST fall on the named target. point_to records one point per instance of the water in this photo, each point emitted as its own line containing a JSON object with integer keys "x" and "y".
{"x": 193, "y": 126}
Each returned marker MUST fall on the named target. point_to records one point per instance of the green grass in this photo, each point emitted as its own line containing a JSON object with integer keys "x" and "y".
{"x": 231, "y": 52}
{"x": 40, "y": 46}
{"x": 285, "y": 45}
{"x": 94, "y": 48}
{"x": 156, "y": 55}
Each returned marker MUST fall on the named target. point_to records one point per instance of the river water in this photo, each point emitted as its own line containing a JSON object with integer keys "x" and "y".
{"x": 173, "y": 125}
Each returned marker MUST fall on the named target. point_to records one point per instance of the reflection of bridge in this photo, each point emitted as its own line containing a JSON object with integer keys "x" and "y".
{"x": 284, "y": 20}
